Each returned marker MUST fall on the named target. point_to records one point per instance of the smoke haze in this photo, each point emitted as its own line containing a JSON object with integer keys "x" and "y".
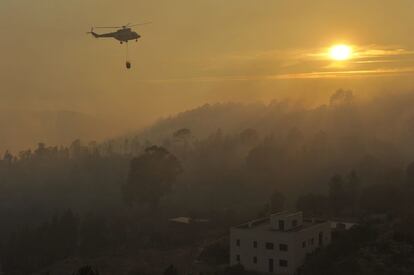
{"x": 195, "y": 52}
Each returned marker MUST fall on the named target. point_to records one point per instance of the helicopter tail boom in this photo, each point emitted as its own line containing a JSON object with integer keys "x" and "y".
{"x": 94, "y": 33}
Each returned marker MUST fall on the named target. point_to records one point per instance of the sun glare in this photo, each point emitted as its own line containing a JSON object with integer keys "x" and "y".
{"x": 340, "y": 52}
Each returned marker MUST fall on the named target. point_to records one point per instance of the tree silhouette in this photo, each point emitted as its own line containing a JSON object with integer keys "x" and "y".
{"x": 249, "y": 137}
{"x": 277, "y": 201}
{"x": 93, "y": 236}
{"x": 337, "y": 194}
{"x": 8, "y": 158}
{"x": 171, "y": 270}
{"x": 182, "y": 134}
{"x": 313, "y": 204}
{"x": 410, "y": 174}
{"x": 86, "y": 270}
{"x": 353, "y": 190}
{"x": 151, "y": 176}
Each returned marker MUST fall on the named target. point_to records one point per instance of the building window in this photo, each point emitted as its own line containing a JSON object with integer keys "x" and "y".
{"x": 282, "y": 225}
{"x": 294, "y": 223}
{"x": 238, "y": 258}
{"x": 312, "y": 241}
{"x": 255, "y": 244}
{"x": 283, "y": 247}
{"x": 238, "y": 242}
{"x": 320, "y": 240}
{"x": 283, "y": 263}
{"x": 304, "y": 244}
{"x": 271, "y": 267}
{"x": 270, "y": 246}
{"x": 255, "y": 260}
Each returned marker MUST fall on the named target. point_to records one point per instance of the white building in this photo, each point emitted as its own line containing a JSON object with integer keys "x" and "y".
{"x": 278, "y": 244}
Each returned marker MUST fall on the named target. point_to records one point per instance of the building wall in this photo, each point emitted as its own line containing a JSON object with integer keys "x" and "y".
{"x": 295, "y": 254}
{"x": 310, "y": 236}
{"x": 287, "y": 220}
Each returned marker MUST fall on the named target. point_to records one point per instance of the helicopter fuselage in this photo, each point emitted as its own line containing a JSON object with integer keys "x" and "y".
{"x": 122, "y": 35}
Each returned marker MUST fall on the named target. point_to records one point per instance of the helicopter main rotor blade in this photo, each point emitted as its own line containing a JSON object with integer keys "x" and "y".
{"x": 107, "y": 27}
{"x": 125, "y": 26}
{"x": 139, "y": 24}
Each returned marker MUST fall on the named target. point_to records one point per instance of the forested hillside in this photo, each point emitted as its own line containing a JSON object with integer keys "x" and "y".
{"x": 224, "y": 163}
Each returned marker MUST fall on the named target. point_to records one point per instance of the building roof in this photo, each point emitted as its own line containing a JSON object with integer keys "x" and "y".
{"x": 342, "y": 225}
{"x": 188, "y": 220}
{"x": 185, "y": 220}
{"x": 264, "y": 224}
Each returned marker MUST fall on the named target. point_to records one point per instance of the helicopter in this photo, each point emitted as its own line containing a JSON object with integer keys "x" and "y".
{"x": 123, "y": 34}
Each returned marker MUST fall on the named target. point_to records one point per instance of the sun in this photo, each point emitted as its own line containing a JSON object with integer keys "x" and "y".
{"x": 340, "y": 52}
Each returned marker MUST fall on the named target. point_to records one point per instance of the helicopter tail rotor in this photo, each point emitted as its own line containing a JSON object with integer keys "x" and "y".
{"x": 93, "y": 33}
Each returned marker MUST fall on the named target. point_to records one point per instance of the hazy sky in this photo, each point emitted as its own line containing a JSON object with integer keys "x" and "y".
{"x": 196, "y": 51}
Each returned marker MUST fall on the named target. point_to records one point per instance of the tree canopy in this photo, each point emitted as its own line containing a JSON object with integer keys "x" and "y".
{"x": 151, "y": 176}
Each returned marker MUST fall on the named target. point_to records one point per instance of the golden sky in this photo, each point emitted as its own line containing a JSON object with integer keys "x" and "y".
{"x": 197, "y": 51}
